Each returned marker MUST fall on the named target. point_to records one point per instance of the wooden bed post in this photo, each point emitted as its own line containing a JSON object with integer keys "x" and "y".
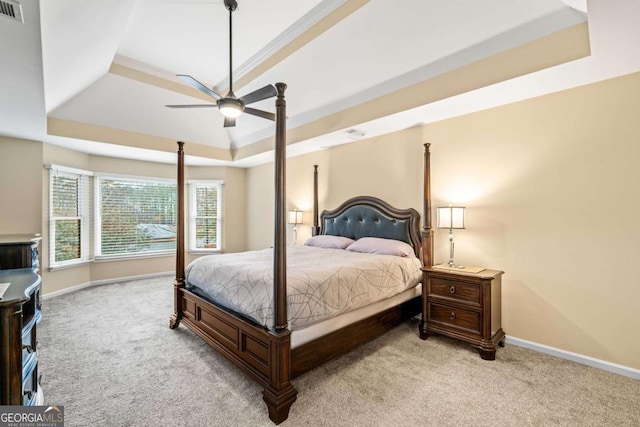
{"x": 427, "y": 231}
{"x": 279, "y": 394}
{"x": 174, "y": 321}
{"x": 315, "y": 230}
{"x": 280, "y": 238}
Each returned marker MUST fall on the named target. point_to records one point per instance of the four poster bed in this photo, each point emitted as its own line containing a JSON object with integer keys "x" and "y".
{"x": 261, "y": 339}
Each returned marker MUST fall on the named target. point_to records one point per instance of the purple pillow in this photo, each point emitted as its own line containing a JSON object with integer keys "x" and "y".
{"x": 376, "y": 245}
{"x": 329, "y": 242}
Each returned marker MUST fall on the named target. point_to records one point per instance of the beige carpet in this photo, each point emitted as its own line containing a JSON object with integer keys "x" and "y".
{"x": 108, "y": 356}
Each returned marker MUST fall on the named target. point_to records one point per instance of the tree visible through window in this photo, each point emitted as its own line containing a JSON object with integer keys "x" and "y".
{"x": 133, "y": 216}
{"x": 66, "y": 217}
{"x": 206, "y": 201}
{"x": 69, "y": 216}
{"x": 136, "y": 216}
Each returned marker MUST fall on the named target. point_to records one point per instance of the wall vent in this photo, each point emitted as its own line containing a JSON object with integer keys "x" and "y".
{"x": 11, "y": 9}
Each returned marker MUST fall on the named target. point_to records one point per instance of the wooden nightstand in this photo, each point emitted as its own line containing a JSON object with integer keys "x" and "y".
{"x": 464, "y": 306}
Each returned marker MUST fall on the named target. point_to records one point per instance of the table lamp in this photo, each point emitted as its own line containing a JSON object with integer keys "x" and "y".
{"x": 451, "y": 217}
{"x": 295, "y": 218}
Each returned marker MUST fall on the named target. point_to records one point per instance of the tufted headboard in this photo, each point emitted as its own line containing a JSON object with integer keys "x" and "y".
{"x": 367, "y": 216}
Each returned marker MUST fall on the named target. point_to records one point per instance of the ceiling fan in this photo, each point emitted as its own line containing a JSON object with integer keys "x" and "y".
{"x": 231, "y": 106}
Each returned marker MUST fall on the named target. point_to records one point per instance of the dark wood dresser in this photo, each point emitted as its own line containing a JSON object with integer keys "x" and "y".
{"x": 464, "y": 306}
{"x": 19, "y": 315}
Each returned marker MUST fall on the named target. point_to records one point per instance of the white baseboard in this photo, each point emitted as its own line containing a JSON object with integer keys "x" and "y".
{"x": 578, "y": 358}
{"x": 104, "y": 282}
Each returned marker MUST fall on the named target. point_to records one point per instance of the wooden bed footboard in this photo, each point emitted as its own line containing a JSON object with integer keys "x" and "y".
{"x": 261, "y": 354}
{"x": 233, "y": 338}
{"x": 255, "y": 349}
{"x": 266, "y": 356}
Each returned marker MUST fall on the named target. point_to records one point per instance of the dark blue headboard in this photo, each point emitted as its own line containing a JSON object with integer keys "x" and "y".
{"x": 367, "y": 216}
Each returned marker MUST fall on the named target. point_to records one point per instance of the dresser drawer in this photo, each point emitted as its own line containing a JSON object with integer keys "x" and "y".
{"x": 30, "y": 389}
{"x": 28, "y": 344}
{"x": 30, "y": 380}
{"x": 467, "y": 320}
{"x": 455, "y": 290}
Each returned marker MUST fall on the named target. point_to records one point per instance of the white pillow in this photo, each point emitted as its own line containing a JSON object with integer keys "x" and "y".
{"x": 376, "y": 245}
{"x": 329, "y": 242}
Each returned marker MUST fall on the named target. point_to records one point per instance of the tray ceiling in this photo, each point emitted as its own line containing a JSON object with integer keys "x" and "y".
{"x": 377, "y": 66}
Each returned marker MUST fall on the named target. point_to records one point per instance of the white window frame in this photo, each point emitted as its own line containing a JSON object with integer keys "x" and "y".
{"x": 193, "y": 184}
{"x": 98, "y": 218}
{"x": 84, "y": 215}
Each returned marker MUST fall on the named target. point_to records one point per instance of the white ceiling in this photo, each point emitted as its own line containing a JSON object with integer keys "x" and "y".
{"x": 110, "y": 65}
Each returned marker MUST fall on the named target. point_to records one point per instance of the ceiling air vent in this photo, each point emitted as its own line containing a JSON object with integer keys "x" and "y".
{"x": 355, "y": 133}
{"x": 11, "y": 9}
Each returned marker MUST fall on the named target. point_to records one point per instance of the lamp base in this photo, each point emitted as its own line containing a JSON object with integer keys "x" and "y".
{"x": 462, "y": 268}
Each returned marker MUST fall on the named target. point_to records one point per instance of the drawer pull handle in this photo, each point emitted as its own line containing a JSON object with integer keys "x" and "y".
{"x": 28, "y": 348}
{"x": 452, "y": 316}
{"x": 452, "y": 290}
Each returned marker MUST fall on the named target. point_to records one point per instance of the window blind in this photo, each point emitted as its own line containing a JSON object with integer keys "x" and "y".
{"x": 206, "y": 215}
{"x": 135, "y": 216}
{"x": 69, "y": 216}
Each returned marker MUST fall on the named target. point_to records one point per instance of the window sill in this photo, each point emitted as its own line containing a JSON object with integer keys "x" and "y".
{"x": 109, "y": 258}
{"x": 204, "y": 251}
{"x": 70, "y": 265}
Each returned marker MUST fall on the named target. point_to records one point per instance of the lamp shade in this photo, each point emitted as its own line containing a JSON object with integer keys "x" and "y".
{"x": 295, "y": 217}
{"x": 451, "y": 217}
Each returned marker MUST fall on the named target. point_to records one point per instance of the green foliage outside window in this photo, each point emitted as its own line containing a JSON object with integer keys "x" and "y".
{"x": 207, "y": 216}
{"x": 137, "y": 216}
{"x": 66, "y": 217}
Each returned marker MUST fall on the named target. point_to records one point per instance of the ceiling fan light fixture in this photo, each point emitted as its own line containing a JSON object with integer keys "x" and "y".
{"x": 230, "y": 107}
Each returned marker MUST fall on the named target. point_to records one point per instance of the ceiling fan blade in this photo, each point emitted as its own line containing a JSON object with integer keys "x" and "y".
{"x": 193, "y": 106}
{"x": 229, "y": 122}
{"x": 264, "y": 114}
{"x": 193, "y": 82}
{"x": 258, "y": 95}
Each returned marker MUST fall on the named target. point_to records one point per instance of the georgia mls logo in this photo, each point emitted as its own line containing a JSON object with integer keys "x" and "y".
{"x": 31, "y": 416}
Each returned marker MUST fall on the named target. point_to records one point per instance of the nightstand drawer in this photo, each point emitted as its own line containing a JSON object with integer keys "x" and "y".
{"x": 454, "y": 290}
{"x": 456, "y": 317}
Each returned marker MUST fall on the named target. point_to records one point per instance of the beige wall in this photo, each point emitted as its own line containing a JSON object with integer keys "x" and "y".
{"x": 233, "y": 226}
{"x": 260, "y": 194}
{"x": 551, "y": 188}
{"x": 20, "y": 186}
{"x": 260, "y": 205}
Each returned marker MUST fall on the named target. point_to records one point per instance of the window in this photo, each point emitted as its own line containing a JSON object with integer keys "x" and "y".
{"x": 135, "y": 216}
{"x": 206, "y": 215}
{"x": 69, "y": 214}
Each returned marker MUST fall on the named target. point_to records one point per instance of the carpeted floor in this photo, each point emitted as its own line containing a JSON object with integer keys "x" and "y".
{"x": 107, "y": 355}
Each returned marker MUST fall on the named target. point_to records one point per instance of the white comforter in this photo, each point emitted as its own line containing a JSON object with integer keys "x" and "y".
{"x": 321, "y": 283}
